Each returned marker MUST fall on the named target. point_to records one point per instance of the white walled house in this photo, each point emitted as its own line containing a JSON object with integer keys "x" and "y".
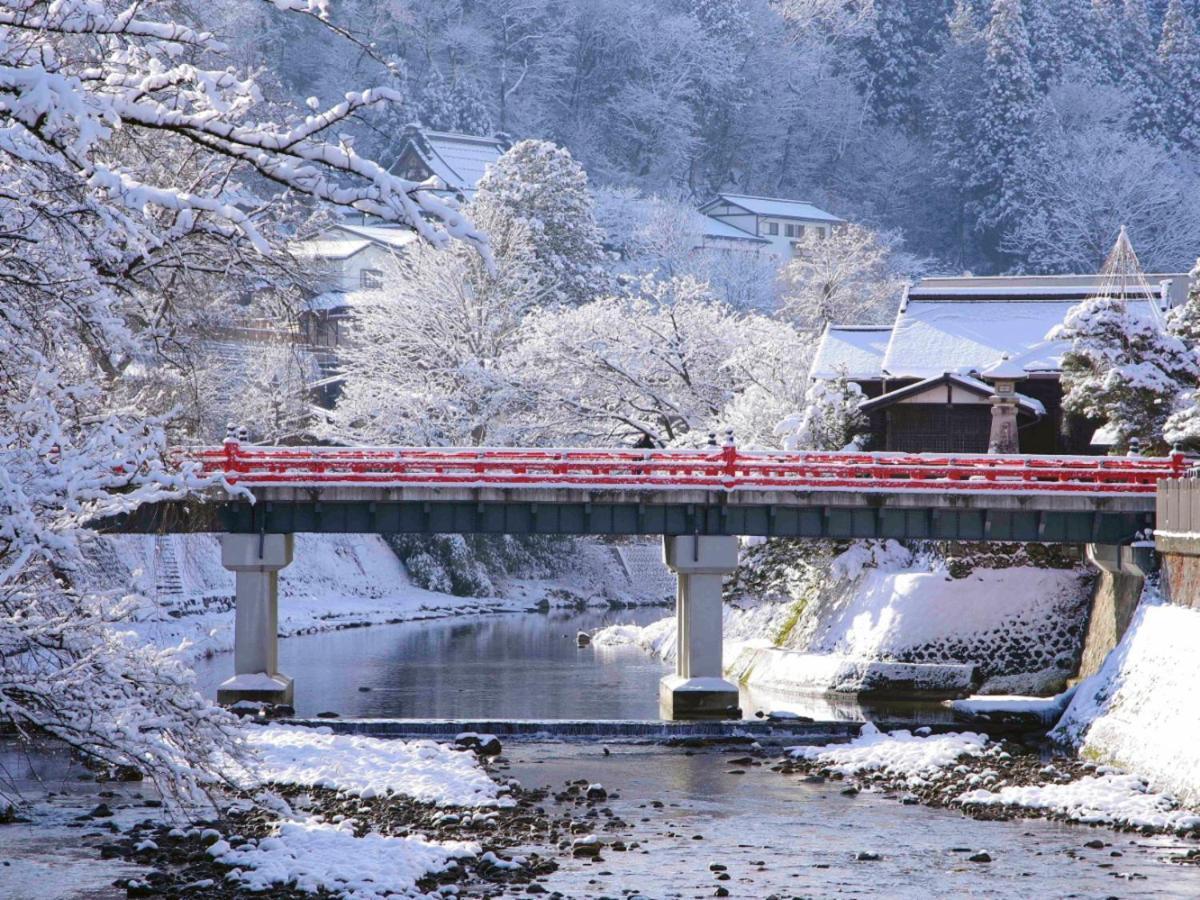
{"x": 349, "y": 260}
{"x": 765, "y": 222}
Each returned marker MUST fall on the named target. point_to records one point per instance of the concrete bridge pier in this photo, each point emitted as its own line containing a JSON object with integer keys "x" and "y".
{"x": 256, "y": 559}
{"x": 698, "y": 689}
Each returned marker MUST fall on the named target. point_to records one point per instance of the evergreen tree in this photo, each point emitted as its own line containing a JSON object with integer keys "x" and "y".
{"x": 898, "y": 49}
{"x": 1140, "y": 78}
{"x": 1050, "y": 46}
{"x": 454, "y": 107}
{"x": 1123, "y": 367}
{"x": 1005, "y": 137}
{"x": 539, "y": 184}
{"x": 1179, "y": 54}
{"x": 1104, "y": 42}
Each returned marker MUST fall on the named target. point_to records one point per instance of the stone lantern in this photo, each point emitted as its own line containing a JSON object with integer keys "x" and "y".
{"x": 1003, "y": 376}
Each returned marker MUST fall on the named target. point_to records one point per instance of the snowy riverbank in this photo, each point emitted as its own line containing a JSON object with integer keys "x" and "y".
{"x": 1139, "y": 711}
{"x": 877, "y": 618}
{"x": 998, "y": 780}
{"x": 342, "y": 581}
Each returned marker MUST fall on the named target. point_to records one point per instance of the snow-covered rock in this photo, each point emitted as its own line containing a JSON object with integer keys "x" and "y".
{"x": 876, "y": 617}
{"x": 896, "y": 753}
{"x": 1109, "y": 798}
{"x": 320, "y": 856}
{"x": 424, "y": 770}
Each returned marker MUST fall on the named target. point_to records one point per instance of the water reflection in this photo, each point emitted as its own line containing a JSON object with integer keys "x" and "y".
{"x": 514, "y": 666}
{"x": 522, "y": 665}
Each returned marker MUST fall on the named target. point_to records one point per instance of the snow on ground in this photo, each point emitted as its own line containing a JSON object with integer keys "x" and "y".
{"x": 896, "y": 753}
{"x": 368, "y": 767}
{"x": 1139, "y": 711}
{"x": 316, "y": 856}
{"x": 1108, "y": 798}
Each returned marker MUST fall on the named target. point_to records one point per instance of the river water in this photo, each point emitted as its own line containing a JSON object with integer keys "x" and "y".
{"x": 687, "y": 809}
{"x": 507, "y": 666}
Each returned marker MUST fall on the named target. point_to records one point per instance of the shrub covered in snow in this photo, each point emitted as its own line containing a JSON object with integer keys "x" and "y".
{"x": 830, "y": 420}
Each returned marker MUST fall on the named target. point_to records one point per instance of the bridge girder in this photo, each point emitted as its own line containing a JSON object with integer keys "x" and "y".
{"x": 1068, "y": 523}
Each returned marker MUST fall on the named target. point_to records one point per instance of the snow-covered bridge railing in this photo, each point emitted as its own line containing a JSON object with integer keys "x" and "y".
{"x": 713, "y": 469}
{"x": 706, "y": 491}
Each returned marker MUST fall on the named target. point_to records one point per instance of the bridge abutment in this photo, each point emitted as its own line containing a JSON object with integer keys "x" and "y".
{"x": 698, "y": 689}
{"x": 256, "y": 560}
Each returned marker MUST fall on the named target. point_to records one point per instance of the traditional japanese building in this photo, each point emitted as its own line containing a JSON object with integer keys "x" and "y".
{"x": 458, "y": 161}
{"x": 931, "y": 376}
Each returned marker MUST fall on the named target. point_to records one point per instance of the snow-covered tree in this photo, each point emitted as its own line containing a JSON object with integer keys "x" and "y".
{"x": 1179, "y": 55}
{"x": 1092, "y": 179}
{"x": 1005, "y": 129}
{"x": 1141, "y": 80}
{"x": 1124, "y": 367}
{"x": 898, "y": 48}
{"x": 453, "y": 106}
{"x": 541, "y": 186}
{"x": 136, "y": 163}
{"x": 1125, "y": 370}
{"x": 830, "y": 418}
{"x": 853, "y": 276}
{"x": 656, "y": 368}
{"x": 424, "y": 362}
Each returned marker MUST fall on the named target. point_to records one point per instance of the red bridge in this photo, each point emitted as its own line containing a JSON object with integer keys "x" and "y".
{"x": 710, "y": 469}
{"x": 698, "y": 500}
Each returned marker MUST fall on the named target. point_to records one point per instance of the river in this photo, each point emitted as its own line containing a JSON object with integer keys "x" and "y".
{"x": 508, "y": 666}
{"x": 688, "y": 810}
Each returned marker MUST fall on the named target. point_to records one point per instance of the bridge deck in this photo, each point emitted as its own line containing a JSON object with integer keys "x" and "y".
{"x": 709, "y": 491}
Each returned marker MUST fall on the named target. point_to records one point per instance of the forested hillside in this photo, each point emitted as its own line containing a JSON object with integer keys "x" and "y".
{"x": 995, "y": 135}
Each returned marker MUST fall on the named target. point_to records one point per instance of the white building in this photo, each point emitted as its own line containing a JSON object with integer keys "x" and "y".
{"x": 764, "y": 223}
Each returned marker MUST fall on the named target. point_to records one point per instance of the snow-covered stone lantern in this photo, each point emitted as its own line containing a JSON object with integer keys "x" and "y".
{"x": 1003, "y": 375}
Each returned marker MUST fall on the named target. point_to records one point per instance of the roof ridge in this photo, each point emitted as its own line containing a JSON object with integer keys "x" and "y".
{"x": 764, "y": 197}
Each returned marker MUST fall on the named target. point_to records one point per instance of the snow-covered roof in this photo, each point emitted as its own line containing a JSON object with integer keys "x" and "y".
{"x": 855, "y": 350}
{"x": 331, "y": 248}
{"x": 1170, "y": 285}
{"x": 331, "y": 300}
{"x": 935, "y": 335}
{"x": 776, "y": 207}
{"x": 394, "y": 236}
{"x": 715, "y": 228}
{"x": 459, "y": 160}
{"x": 1029, "y": 405}
{"x": 343, "y": 240}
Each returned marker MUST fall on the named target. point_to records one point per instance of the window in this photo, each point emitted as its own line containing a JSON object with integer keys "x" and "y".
{"x": 790, "y": 230}
{"x": 800, "y": 231}
{"x": 772, "y": 228}
{"x": 370, "y": 279}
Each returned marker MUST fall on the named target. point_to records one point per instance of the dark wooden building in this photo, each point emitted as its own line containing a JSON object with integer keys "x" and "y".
{"x": 928, "y": 375}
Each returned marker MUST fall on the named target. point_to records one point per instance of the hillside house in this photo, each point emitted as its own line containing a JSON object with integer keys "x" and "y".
{"x": 458, "y": 161}
{"x": 741, "y": 221}
{"x": 349, "y": 260}
{"x": 930, "y": 377}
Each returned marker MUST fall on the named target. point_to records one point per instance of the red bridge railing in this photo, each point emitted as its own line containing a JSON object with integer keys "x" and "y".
{"x": 711, "y": 468}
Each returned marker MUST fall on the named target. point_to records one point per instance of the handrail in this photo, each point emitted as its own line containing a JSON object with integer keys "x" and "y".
{"x": 711, "y": 468}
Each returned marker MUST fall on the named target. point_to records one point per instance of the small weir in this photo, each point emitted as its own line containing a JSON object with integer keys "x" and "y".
{"x": 566, "y": 729}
